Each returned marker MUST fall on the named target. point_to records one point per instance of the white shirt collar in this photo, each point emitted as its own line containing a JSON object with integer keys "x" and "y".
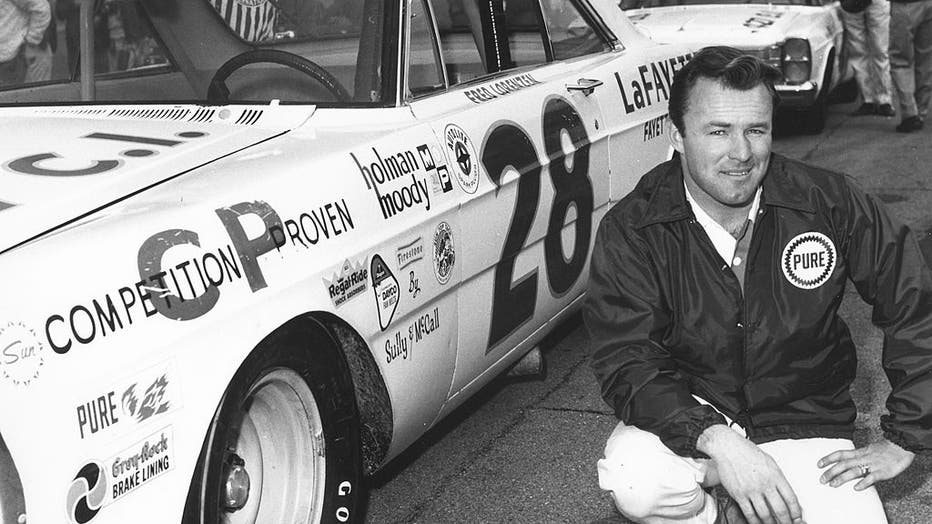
{"x": 724, "y": 243}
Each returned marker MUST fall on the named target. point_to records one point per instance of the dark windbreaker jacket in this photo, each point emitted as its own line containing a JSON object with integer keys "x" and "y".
{"x": 667, "y": 317}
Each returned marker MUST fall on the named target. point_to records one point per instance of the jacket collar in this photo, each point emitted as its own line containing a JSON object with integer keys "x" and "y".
{"x": 668, "y": 199}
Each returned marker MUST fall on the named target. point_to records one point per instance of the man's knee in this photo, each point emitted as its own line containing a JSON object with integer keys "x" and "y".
{"x": 646, "y": 478}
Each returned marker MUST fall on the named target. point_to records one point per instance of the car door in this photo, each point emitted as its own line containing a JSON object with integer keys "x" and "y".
{"x": 529, "y": 152}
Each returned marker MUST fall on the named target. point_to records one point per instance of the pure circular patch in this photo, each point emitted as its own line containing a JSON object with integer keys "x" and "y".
{"x": 808, "y": 260}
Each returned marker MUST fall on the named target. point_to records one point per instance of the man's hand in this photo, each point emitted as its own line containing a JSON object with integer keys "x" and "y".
{"x": 878, "y": 461}
{"x": 750, "y": 476}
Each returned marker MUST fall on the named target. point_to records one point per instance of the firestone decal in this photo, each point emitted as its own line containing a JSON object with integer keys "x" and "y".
{"x": 23, "y": 354}
{"x": 348, "y": 284}
{"x": 444, "y": 252}
{"x": 651, "y": 84}
{"x": 386, "y": 289}
{"x": 808, "y": 260}
{"x": 410, "y": 253}
{"x": 462, "y": 156}
{"x": 101, "y": 483}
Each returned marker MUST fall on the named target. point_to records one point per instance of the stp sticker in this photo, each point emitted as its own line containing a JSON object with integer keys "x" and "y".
{"x": 444, "y": 252}
{"x": 808, "y": 260}
{"x": 22, "y": 353}
{"x": 461, "y": 154}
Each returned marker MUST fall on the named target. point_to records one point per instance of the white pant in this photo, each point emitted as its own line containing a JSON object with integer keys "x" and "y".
{"x": 652, "y": 485}
{"x": 867, "y": 37}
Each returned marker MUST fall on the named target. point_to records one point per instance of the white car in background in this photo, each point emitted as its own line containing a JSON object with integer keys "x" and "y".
{"x": 251, "y": 250}
{"x": 802, "y": 38}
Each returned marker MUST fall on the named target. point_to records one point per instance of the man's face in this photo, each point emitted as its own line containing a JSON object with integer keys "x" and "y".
{"x": 725, "y": 146}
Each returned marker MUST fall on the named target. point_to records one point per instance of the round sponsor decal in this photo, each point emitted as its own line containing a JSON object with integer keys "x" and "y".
{"x": 444, "y": 252}
{"x": 86, "y": 494}
{"x": 461, "y": 154}
{"x": 21, "y": 353}
{"x": 808, "y": 260}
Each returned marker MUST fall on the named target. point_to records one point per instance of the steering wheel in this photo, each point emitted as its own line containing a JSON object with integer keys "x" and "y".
{"x": 219, "y": 93}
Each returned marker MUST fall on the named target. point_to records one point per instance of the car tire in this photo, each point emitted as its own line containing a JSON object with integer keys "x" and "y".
{"x": 283, "y": 446}
{"x": 812, "y": 120}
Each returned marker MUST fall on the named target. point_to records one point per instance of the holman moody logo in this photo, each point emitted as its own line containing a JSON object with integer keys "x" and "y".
{"x": 390, "y": 170}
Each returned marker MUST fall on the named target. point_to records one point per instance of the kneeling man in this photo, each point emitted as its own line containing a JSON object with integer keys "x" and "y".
{"x": 713, "y": 314}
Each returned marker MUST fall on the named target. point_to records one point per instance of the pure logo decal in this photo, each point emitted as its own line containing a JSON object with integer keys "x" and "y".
{"x": 808, "y": 260}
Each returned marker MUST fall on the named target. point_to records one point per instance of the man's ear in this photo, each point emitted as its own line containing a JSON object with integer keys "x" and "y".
{"x": 676, "y": 138}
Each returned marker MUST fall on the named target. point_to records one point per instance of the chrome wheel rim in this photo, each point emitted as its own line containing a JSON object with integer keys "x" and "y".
{"x": 275, "y": 467}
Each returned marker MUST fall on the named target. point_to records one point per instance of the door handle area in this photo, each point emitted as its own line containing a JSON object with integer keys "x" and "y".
{"x": 584, "y": 85}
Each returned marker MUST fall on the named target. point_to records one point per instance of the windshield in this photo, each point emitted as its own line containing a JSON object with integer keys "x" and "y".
{"x": 327, "y": 52}
{"x": 634, "y": 4}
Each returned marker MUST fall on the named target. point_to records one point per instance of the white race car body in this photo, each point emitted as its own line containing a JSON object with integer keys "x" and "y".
{"x": 147, "y": 250}
{"x": 762, "y": 30}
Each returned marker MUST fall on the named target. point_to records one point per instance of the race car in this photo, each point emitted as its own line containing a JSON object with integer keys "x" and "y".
{"x": 801, "y": 38}
{"x": 250, "y": 251}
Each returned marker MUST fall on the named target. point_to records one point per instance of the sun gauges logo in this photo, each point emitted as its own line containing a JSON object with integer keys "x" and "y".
{"x": 21, "y": 354}
{"x": 444, "y": 252}
{"x": 461, "y": 154}
{"x": 386, "y": 289}
{"x": 349, "y": 283}
{"x": 808, "y": 260}
{"x": 101, "y": 483}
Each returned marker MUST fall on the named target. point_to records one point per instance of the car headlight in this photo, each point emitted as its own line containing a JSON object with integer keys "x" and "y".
{"x": 771, "y": 55}
{"x": 797, "y": 60}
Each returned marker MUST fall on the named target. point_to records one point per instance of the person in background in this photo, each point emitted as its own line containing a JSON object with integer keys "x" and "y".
{"x": 252, "y": 20}
{"x": 22, "y": 28}
{"x": 712, "y": 310}
{"x": 39, "y": 69}
{"x": 867, "y": 38}
{"x": 911, "y": 60}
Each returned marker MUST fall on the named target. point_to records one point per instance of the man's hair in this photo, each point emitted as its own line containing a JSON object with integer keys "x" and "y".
{"x": 732, "y": 68}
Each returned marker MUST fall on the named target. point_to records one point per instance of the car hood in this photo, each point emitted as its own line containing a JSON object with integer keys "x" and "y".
{"x": 58, "y": 164}
{"x": 746, "y": 26}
